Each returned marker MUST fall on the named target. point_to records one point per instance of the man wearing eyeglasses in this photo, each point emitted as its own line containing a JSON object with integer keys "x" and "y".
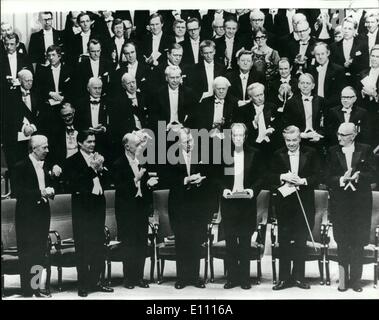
{"x": 350, "y": 172}
{"x": 41, "y": 40}
{"x": 348, "y": 111}
{"x": 191, "y": 45}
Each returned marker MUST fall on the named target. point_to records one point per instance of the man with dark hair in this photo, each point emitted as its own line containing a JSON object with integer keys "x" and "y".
{"x": 294, "y": 171}
{"x": 191, "y": 45}
{"x": 41, "y": 40}
{"x": 350, "y": 171}
{"x": 85, "y": 176}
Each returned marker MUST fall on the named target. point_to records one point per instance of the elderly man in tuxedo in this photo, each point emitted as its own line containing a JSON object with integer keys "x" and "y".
{"x": 46, "y": 37}
{"x": 348, "y": 111}
{"x": 132, "y": 207}
{"x": 33, "y": 187}
{"x": 239, "y": 216}
{"x": 85, "y": 176}
{"x": 329, "y": 77}
{"x": 188, "y": 210}
{"x": 294, "y": 172}
{"x": 350, "y": 172}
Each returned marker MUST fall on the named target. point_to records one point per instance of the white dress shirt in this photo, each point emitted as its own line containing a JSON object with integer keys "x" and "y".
{"x": 85, "y": 39}
{"x": 187, "y": 160}
{"x": 195, "y": 49}
{"x": 95, "y": 66}
{"x": 26, "y": 98}
{"x": 346, "y": 114}
{"x": 229, "y": 48}
{"x": 347, "y": 45}
{"x": 134, "y": 165}
{"x": 294, "y": 161}
{"x": 95, "y": 107}
{"x": 48, "y": 38}
{"x": 238, "y": 171}
{"x": 218, "y": 110}
{"x": 132, "y": 68}
{"x": 244, "y": 77}
{"x": 156, "y": 41}
{"x": 261, "y": 125}
{"x": 321, "y": 79}
{"x": 71, "y": 142}
{"x": 38, "y": 167}
{"x": 308, "y": 112}
{"x": 56, "y": 72}
{"x": 209, "y": 71}
{"x": 119, "y": 42}
{"x": 174, "y": 103}
{"x": 348, "y": 151}
{"x": 373, "y": 76}
{"x": 12, "y": 58}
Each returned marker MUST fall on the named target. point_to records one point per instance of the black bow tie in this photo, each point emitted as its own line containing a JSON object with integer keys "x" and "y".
{"x": 304, "y": 44}
{"x": 94, "y": 101}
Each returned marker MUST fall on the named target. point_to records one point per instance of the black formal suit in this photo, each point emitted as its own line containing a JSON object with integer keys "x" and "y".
{"x": 88, "y": 219}
{"x": 239, "y": 216}
{"x": 45, "y": 81}
{"x": 189, "y": 212}
{"x": 83, "y": 72}
{"x": 12, "y": 119}
{"x": 371, "y": 105}
{"x": 333, "y": 84}
{"x": 206, "y": 23}
{"x": 140, "y": 20}
{"x": 351, "y": 210}
{"x": 146, "y": 47}
{"x": 132, "y": 216}
{"x": 246, "y": 115}
{"x": 291, "y": 221}
{"x": 358, "y": 116}
{"x": 37, "y": 50}
{"x": 293, "y": 51}
{"x": 364, "y": 38}
{"x": 239, "y": 43}
{"x": 276, "y": 24}
{"x": 20, "y": 48}
{"x": 32, "y": 220}
{"x": 236, "y": 82}
{"x": 358, "y": 53}
{"x": 188, "y": 54}
{"x": 197, "y": 78}
{"x": 243, "y": 23}
{"x": 273, "y": 90}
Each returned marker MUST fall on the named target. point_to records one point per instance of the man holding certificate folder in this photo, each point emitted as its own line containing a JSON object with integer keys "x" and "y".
{"x": 295, "y": 174}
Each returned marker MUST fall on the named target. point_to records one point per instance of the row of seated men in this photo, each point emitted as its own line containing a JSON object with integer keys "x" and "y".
{"x": 197, "y": 190}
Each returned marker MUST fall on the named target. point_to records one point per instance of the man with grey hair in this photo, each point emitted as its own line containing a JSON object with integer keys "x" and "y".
{"x": 33, "y": 187}
{"x": 133, "y": 201}
{"x": 350, "y": 171}
{"x": 294, "y": 169}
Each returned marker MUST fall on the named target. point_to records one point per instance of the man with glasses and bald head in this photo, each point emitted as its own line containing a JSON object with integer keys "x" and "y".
{"x": 350, "y": 172}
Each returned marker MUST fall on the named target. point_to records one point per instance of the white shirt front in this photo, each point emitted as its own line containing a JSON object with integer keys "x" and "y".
{"x": 195, "y": 49}
{"x": 187, "y": 160}
{"x": 156, "y": 41}
{"x": 97, "y": 188}
{"x": 238, "y": 171}
{"x": 209, "y": 71}
{"x": 134, "y": 165}
{"x": 56, "y": 72}
{"x": 48, "y": 38}
{"x": 12, "y": 58}
{"x": 303, "y": 46}
{"x": 174, "y": 102}
{"x": 371, "y": 39}
{"x": 373, "y": 76}
{"x": 85, "y": 39}
{"x": 347, "y": 45}
{"x": 26, "y": 98}
{"x": 244, "y": 77}
{"x": 38, "y": 167}
{"x": 307, "y": 102}
{"x": 132, "y": 68}
{"x": 348, "y": 151}
{"x": 229, "y": 47}
{"x": 71, "y": 142}
{"x": 218, "y": 111}
{"x": 95, "y": 66}
{"x": 261, "y": 124}
{"x": 95, "y": 114}
{"x": 294, "y": 161}
{"x": 119, "y": 43}
{"x": 346, "y": 114}
{"x": 321, "y": 79}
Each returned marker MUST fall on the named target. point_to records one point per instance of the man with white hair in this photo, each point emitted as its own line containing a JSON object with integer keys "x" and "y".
{"x": 33, "y": 188}
{"x": 372, "y": 25}
{"x": 20, "y": 119}
{"x": 7, "y": 28}
{"x": 350, "y": 171}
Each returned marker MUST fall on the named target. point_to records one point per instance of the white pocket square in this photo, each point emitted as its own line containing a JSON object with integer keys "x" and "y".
{"x": 358, "y": 53}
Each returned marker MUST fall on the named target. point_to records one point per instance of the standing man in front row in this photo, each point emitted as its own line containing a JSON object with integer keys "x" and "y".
{"x": 239, "y": 216}
{"x": 132, "y": 204}
{"x": 33, "y": 189}
{"x": 351, "y": 170}
{"x": 85, "y": 175}
{"x": 295, "y": 169}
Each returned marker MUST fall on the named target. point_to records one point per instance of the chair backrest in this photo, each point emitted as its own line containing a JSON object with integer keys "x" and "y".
{"x": 375, "y": 215}
{"x": 160, "y": 203}
{"x": 110, "y": 218}
{"x": 8, "y": 230}
{"x": 61, "y": 215}
{"x": 321, "y": 213}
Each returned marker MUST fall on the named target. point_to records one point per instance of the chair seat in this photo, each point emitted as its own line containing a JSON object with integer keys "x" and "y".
{"x": 219, "y": 249}
{"x": 368, "y": 253}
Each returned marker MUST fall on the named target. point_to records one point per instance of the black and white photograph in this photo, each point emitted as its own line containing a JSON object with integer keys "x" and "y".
{"x": 197, "y": 151}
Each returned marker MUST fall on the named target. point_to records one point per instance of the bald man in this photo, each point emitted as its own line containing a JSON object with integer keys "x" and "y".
{"x": 33, "y": 189}
{"x": 350, "y": 172}
{"x": 132, "y": 207}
